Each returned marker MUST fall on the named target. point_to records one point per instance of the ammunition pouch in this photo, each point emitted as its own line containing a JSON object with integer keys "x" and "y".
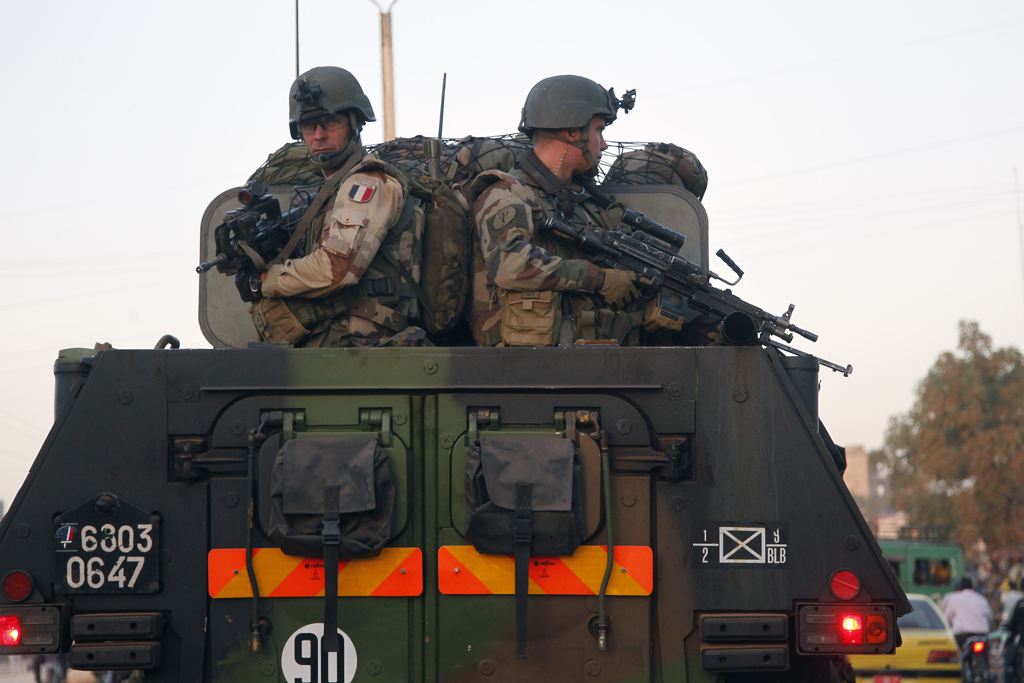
{"x": 530, "y": 318}
{"x": 607, "y": 323}
{"x": 304, "y": 475}
{"x": 275, "y": 322}
{"x": 524, "y": 496}
{"x": 665, "y": 312}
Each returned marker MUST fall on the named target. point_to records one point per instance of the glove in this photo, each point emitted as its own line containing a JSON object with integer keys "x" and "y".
{"x": 704, "y": 330}
{"x": 249, "y": 285}
{"x": 618, "y": 287}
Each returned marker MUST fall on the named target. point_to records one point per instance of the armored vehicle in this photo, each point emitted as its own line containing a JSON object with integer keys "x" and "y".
{"x": 452, "y": 513}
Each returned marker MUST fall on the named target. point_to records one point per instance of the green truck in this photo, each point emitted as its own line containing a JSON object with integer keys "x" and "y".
{"x": 173, "y": 520}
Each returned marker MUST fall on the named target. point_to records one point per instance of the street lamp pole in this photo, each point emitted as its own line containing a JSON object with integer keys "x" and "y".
{"x": 387, "y": 68}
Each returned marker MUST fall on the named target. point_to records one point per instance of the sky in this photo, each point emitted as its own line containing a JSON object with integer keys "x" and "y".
{"x": 861, "y": 157}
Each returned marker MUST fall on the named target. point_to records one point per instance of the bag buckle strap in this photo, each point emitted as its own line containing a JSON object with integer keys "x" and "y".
{"x": 522, "y": 525}
{"x": 382, "y": 286}
{"x": 330, "y": 534}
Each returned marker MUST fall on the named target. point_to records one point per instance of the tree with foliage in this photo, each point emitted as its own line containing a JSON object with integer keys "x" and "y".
{"x": 956, "y": 458}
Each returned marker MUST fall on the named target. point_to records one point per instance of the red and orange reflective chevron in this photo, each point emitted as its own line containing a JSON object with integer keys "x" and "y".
{"x": 396, "y": 572}
{"x": 461, "y": 570}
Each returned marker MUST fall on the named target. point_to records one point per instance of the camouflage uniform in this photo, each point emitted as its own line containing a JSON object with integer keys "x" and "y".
{"x": 510, "y": 258}
{"x": 354, "y": 281}
{"x": 347, "y": 290}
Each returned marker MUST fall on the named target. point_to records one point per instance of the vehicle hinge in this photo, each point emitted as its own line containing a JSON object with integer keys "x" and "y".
{"x": 576, "y": 420}
{"x": 184, "y": 452}
{"x": 679, "y": 458}
{"x": 481, "y": 418}
{"x": 379, "y": 420}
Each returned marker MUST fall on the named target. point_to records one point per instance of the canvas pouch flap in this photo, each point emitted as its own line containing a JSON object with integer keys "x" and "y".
{"x": 544, "y": 463}
{"x": 311, "y": 465}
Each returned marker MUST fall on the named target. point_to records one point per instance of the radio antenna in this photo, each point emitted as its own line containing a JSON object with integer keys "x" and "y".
{"x": 296, "y": 39}
{"x": 440, "y": 121}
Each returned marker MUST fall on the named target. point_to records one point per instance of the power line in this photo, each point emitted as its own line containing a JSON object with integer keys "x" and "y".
{"x": 874, "y": 157}
{"x": 856, "y": 237}
{"x": 858, "y": 56}
{"x": 863, "y": 212}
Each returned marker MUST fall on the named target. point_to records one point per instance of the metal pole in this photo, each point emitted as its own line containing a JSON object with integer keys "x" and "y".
{"x": 296, "y": 39}
{"x": 387, "y": 69}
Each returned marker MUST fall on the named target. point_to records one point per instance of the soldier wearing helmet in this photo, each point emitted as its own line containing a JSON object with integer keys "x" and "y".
{"x": 342, "y": 287}
{"x": 529, "y": 289}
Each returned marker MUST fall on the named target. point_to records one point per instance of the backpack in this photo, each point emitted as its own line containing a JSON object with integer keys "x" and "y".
{"x": 446, "y": 263}
{"x": 659, "y": 163}
{"x": 524, "y": 497}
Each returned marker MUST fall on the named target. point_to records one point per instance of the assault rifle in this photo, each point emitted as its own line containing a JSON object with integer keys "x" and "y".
{"x": 645, "y": 252}
{"x": 255, "y": 232}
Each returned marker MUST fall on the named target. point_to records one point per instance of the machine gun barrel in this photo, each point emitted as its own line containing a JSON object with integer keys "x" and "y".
{"x": 208, "y": 265}
{"x": 742, "y": 321}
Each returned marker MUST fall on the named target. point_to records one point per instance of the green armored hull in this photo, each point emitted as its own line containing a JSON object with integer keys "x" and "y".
{"x": 737, "y": 548}
{"x": 564, "y": 514}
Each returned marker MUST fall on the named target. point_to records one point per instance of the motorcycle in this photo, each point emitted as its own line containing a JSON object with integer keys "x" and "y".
{"x": 974, "y": 659}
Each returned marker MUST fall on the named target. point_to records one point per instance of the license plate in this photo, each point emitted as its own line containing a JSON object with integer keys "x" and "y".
{"x": 886, "y": 678}
{"x": 107, "y": 545}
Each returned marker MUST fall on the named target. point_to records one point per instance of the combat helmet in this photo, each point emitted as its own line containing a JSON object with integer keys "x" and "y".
{"x": 567, "y": 102}
{"x": 326, "y": 90}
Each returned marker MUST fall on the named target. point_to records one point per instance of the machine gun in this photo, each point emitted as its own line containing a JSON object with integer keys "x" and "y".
{"x": 255, "y": 232}
{"x": 645, "y": 251}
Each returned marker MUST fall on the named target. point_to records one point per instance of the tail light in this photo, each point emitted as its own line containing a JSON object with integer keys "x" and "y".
{"x": 851, "y": 629}
{"x": 29, "y": 629}
{"x": 10, "y": 630}
{"x": 978, "y": 646}
{"x": 943, "y": 656}
{"x": 877, "y": 630}
{"x": 845, "y": 628}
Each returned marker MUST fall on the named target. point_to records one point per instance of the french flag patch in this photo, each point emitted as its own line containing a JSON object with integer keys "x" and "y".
{"x": 362, "y": 192}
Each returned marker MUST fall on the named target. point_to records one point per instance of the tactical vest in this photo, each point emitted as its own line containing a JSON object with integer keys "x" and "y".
{"x": 381, "y": 295}
{"x": 583, "y": 315}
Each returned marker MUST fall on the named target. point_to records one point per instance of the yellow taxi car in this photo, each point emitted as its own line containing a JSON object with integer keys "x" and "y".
{"x": 928, "y": 653}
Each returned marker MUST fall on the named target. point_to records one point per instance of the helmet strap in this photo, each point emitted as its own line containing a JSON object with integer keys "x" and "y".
{"x": 583, "y": 145}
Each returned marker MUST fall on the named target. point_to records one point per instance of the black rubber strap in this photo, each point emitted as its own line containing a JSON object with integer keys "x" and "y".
{"x": 522, "y": 533}
{"x": 331, "y": 536}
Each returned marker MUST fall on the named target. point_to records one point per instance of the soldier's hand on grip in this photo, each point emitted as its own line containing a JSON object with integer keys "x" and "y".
{"x": 618, "y": 287}
{"x": 248, "y": 284}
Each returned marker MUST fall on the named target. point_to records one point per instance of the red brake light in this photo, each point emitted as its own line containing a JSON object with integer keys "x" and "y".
{"x": 17, "y": 585}
{"x": 851, "y": 628}
{"x": 10, "y": 630}
{"x": 978, "y": 647}
{"x": 845, "y": 585}
{"x": 942, "y": 656}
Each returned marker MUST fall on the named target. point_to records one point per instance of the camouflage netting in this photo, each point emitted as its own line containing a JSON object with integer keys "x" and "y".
{"x": 655, "y": 163}
{"x": 459, "y": 160}
{"x": 623, "y": 163}
{"x": 289, "y": 165}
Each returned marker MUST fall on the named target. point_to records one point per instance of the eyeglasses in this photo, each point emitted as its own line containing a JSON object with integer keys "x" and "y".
{"x": 329, "y": 123}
